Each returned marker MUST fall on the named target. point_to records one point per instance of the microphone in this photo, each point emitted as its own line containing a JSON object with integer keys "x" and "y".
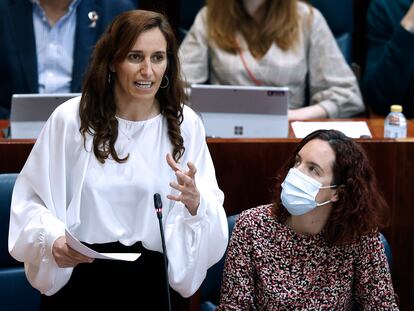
{"x": 158, "y": 208}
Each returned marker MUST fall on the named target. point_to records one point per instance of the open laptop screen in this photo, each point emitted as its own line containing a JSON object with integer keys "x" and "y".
{"x": 29, "y": 112}
{"x": 231, "y": 111}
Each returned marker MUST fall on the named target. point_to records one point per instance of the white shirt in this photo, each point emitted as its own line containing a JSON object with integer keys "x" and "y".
{"x": 63, "y": 186}
{"x": 315, "y": 61}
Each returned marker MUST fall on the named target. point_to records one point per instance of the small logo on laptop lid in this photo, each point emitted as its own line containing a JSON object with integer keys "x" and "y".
{"x": 238, "y": 130}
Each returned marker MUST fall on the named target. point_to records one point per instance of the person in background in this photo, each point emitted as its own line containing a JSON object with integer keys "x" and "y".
{"x": 389, "y": 68}
{"x": 317, "y": 246}
{"x": 272, "y": 43}
{"x": 94, "y": 170}
{"x": 46, "y": 44}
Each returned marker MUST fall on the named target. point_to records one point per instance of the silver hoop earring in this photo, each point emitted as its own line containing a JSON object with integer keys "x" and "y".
{"x": 166, "y": 84}
{"x": 111, "y": 76}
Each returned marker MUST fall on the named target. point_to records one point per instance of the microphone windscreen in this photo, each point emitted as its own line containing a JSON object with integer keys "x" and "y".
{"x": 157, "y": 201}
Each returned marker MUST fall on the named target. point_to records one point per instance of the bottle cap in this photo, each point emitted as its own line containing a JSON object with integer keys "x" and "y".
{"x": 396, "y": 108}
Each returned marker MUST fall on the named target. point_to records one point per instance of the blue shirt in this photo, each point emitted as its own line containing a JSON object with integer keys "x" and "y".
{"x": 54, "y": 48}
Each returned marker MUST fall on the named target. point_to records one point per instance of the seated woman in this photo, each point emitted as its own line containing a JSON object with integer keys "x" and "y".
{"x": 317, "y": 246}
{"x": 273, "y": 43}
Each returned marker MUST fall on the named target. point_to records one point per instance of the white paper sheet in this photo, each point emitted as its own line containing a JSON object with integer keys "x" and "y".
{"x": 83, "y": 249}
{"x": 353, "y": 129}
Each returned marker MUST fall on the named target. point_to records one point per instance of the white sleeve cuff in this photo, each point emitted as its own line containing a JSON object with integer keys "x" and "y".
{"x": 201, "y": 212}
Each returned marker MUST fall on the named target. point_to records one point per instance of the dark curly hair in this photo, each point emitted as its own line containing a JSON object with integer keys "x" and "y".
{"x": 361, "y": 208}
{"x": 97, "y": 107}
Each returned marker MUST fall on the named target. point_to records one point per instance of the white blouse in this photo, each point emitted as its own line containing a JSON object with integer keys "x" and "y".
{"x": 315, "y": 61}
{"x": 64, "y": 186}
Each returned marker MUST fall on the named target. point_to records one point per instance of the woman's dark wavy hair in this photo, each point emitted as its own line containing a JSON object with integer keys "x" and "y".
{"x": 97, "y": 107}
{"x": 361, "y": 208}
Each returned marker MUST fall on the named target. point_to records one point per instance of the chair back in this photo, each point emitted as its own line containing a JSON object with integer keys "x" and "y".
{"x": 15, "y": 291}
{"x": 387, "y": 249}
{"x": 340, "y": 18}
{"x": 187, "y": 13}
{"x": 6, "y": 189}
{"x": 210, "y": 289}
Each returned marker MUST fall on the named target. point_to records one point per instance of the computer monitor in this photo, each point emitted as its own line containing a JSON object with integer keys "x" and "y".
{"x": 231, "y": 111}
{"x": 29, "y": 112}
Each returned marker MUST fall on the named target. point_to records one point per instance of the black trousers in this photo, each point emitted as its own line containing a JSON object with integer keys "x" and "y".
{"x": 116, "y": 285}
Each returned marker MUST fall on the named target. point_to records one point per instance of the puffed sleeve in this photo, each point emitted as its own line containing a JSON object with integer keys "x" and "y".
{"x": 373, "y": 284}
{"x": 39, "y": 207}
{"x": 195, "y": 243}
{"x": 237, "y": 290}
{"x": 194, "y": 51}
{"x": 332, "y": 84}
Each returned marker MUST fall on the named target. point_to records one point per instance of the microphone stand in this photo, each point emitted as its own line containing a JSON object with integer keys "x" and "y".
{"x": 158, "y": 208}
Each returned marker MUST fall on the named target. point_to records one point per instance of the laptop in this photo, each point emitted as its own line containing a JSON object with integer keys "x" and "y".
{"x": 29, "y": 112}
{"x": 231, "y": 111}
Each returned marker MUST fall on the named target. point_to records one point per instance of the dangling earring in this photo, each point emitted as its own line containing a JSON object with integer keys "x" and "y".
{"x": 166, "y": 85}
{"x": 111, "y": 76}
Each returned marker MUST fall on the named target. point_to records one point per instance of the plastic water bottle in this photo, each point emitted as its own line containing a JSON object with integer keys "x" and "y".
{"x": 395, "y": 124}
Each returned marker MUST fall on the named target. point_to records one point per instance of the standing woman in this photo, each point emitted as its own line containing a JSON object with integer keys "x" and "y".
{"x": 95, "y": 168}
{"x": 272, "y": 43}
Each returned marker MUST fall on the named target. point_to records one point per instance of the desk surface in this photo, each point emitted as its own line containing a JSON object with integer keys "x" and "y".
{"x": 376, "y": 126}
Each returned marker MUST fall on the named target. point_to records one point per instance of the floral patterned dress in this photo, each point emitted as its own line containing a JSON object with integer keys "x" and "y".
{"x": 271, "y": 267}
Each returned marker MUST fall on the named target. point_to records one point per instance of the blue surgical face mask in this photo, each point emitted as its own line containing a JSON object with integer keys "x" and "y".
{"x": 299, "y": 192}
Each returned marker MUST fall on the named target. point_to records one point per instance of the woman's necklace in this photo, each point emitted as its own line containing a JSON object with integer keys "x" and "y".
{"x": 129, "y": 128}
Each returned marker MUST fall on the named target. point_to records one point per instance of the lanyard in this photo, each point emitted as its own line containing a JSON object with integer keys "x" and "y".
{"x": 249, "y": 72}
